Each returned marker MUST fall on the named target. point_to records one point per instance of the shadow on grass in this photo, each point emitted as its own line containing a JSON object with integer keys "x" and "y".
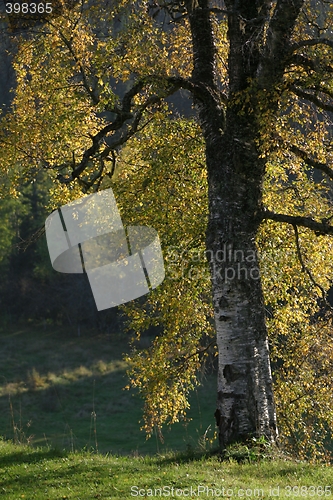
{"x": 30, "y": 456}
{"x": 51, "y": 467}
{"x": 191, "y": 455}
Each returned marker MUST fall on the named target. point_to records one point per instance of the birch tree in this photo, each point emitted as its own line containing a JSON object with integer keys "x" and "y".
{"x": 260, "y": 76}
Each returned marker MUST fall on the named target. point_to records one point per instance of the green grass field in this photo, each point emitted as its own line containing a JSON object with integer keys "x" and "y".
{"x": 49, "y": 475}
{"x": 65, "y": 391}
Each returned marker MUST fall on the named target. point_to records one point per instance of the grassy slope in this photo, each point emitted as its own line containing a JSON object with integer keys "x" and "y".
{"x": 45, "y": 475}
{"x": 53, "y": 383}
{"x": 56, "y": 389}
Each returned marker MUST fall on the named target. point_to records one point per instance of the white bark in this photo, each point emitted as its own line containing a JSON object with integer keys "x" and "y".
{"x": 245, "y": 404}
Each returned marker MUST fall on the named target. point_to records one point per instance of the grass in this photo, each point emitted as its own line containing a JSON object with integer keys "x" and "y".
{"x": 48, "y": 474}
{"x": 63, "y": 395}
{"x": 66, "y": 392}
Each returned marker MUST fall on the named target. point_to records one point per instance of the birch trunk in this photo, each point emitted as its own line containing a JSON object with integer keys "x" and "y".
{"x": 245, "y": 402}
{"x": 258, "y": 51}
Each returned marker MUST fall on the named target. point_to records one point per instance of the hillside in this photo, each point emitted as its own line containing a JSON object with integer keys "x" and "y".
{"x": 66, "y": 391}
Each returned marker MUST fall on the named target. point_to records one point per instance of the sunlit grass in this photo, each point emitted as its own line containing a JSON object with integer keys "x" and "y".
{"x": 34, "y": 380}
{"x": 46, "y": 474}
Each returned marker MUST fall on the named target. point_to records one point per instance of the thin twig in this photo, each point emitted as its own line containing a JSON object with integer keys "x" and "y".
{"x": 304, "y": 267}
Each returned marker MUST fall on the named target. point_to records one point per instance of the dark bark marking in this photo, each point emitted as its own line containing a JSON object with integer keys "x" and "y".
{"x": 230, "y": 373}
{"x": 217, "y": 416}
{"x": 229, "y": 428}
{"x": 223, "y": 303}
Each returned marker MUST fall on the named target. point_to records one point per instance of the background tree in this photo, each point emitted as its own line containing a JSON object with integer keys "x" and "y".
{"x": 261, "y": 111}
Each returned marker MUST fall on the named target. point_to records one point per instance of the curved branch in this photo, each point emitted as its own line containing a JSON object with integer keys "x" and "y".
{"x": 310, "y": 43}
{"x": 323, "y": 167}
{"x": 304, "y": 268}
{"x": 96, "y": 139}
{"x": 319, "y": 89}
{"x": 322, "y": 90}
{"x": 124, "y": 113}
{"x": 319, "y": 228}
{"x": 306, "y": 62}
{"x": 312, "y": 98}
{"x": 301, "y": 60}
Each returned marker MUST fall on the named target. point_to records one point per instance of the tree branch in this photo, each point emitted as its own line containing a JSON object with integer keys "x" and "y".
{"x": 318, "y": 89}
{"x": 183, "y": 360}
{"x": 312, "y": 98}
{"x": 125, "y": 136}
{"x": 125, "y": 113}
{"x": 301, "y": 60}
{"x": 277, "y": 49}
{"x": 320, "y": 228}
{"x": 322, "y": 90}
{"x": 323, "y": 167}
{"x": 91, "y": 92}
{"x": 304, "y": 268}
{"x": 310, "y": 43}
